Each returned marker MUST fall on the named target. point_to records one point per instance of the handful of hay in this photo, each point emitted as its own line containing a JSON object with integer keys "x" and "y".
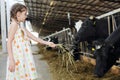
{"x": 65, "y": 58}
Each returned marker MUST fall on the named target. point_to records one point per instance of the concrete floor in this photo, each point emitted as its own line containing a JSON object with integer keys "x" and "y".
{"x": 41, "y": 65}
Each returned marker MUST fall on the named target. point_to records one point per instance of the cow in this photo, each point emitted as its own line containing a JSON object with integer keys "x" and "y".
{"x": 92, "y": 29}
{"x": 108, "y": 53}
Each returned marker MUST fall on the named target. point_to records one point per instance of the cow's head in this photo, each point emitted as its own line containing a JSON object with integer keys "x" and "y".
{"x": 106, "y": 56}
{"x": 87, "y": 31}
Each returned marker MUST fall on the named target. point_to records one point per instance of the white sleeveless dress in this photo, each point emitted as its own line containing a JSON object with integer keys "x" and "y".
{"x": 24, "y": 62}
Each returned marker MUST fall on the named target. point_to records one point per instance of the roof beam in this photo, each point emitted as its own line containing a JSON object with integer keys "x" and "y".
{"x": 72, "y": 8}
{"x": 80, "y": 2}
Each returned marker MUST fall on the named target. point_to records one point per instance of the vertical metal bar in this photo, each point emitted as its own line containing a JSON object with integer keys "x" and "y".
{"x": 113, "y": 26}
{"x": 3, "y": 25}
{"x": 8, "y": 14}
{"x": 109, "y": 25}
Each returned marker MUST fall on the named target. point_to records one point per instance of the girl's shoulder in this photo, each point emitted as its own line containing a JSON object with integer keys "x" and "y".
{"x": 13, "y": 26}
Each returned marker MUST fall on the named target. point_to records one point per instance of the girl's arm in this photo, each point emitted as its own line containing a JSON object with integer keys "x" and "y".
{"x": 13, "y": 28}
{"x": 30, "y": 35}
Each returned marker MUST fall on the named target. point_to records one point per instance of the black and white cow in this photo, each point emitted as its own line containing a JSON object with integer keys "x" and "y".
{"x": 92, "y": 29}
{"x": 97, "y": 29}
{"x": 108, "y": 53}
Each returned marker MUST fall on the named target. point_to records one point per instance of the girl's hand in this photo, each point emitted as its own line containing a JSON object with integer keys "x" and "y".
{"x": 51, "y": 44}
{"x": 11, "y": 65}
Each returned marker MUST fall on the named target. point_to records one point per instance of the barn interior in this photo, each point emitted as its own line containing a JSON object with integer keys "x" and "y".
{"x": 49, "y": 16}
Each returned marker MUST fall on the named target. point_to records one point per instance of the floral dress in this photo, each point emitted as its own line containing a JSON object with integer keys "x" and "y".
{"x": 24, "y": 63}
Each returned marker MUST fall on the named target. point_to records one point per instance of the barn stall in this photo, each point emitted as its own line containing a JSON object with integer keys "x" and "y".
{"x": 51, "y": 18}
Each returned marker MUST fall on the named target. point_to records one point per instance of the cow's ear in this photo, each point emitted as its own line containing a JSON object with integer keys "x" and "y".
{"x": 91, "y": 17}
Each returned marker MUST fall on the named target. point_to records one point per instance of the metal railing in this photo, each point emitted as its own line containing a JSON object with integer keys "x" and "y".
{"x": 64, "y": 36}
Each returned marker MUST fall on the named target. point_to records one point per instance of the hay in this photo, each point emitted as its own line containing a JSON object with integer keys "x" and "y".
{"x": 65, "y": 58}
{"x": 84, "y": 70}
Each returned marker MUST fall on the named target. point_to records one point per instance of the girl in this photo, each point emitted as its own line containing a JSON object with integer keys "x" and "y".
{"x": 20, "y": 64}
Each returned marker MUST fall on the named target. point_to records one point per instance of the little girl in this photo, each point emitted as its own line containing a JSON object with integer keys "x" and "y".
{"x": 20, "y": 63}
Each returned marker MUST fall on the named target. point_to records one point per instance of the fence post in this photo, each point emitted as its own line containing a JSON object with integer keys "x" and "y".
{"x": 3, "y": 25}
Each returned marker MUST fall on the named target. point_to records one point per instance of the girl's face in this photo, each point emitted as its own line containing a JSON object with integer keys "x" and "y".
{"x": 22, "y": 16}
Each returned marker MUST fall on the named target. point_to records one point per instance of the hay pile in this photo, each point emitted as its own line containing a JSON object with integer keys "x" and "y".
{"x": 81, "y": 71}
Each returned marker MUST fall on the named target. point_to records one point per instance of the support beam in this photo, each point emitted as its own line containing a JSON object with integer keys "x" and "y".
{"x": 8, "y": 14}
{"x": 109, "y": 13}
{"x": 67, "y": 29}
{"x": 3, "y": 25}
